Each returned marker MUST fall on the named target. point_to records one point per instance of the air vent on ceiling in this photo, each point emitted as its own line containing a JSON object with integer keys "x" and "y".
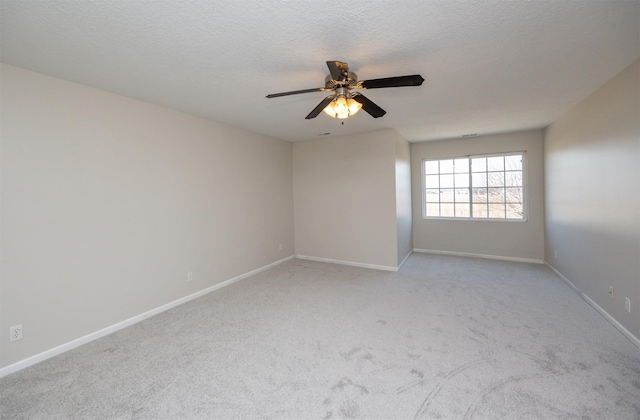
{"x": 469, "y": 135}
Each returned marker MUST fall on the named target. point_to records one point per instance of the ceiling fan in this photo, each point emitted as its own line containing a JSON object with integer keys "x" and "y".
{"x": 343, "y": 102}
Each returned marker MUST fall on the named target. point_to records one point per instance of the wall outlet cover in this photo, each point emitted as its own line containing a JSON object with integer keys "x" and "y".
{"x": 15, "y": 333}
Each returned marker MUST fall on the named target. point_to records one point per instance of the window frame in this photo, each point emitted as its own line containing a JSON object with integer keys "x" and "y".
{"x": 525, "y": 187}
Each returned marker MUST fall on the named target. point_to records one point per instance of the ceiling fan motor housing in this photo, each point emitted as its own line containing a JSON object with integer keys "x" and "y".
{"x": 351, "y": 81}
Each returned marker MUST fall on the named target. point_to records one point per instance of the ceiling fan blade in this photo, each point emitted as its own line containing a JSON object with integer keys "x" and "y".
{"x": 368, "y": 105}
{"x": 296, "y": 92}
{"x": 413, "y": 80}
{"x": 317, "y": 110}
{"x": 336, "y": 68}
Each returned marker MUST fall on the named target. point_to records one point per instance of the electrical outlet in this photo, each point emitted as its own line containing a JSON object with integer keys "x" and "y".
{"x": 15, "y": 333}
{"x": 190, "y": 276}
{"x": 612, "y": 292}
{"x": 280, "y": 247}
{"x": 627, "y": 304}
{"x": 555, "y": 254}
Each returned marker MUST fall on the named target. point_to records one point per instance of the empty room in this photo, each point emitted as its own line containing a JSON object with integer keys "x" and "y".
{"x": 308, "y": 210}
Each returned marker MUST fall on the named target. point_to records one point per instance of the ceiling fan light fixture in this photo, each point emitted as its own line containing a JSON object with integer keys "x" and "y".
{"x": 342, "y": 106}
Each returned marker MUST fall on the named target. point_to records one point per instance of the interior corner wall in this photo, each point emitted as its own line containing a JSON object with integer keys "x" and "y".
{"x": 108, "y": 202}
{"x": 519, "y": 240}
{"x": 344, "y": 199}
{"x": 404, "y": 217}
{"x": 592, "y": 188}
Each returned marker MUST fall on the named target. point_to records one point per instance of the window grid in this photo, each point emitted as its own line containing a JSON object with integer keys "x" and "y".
{"x": 475, "y": 187}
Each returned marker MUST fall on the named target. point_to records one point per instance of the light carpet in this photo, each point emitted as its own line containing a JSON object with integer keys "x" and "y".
{"x": 444, "y": 338}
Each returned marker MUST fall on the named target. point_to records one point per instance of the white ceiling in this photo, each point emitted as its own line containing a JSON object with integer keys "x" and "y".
{"x": 490, "y": 66}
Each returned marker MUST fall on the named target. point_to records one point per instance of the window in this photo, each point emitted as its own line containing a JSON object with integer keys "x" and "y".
{"x": 475, "y": 187}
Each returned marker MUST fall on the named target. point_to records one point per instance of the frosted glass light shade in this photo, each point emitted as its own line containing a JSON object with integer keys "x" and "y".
{"x": 342, "y": 108}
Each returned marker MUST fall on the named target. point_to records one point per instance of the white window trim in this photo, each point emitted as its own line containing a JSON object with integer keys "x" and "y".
{"x": 525, "y": 185}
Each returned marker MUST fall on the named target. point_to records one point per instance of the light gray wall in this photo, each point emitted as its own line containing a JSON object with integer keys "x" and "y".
{"x": 344, "y": 199}
{"x": 108, "y": 202}
{"x": 592, "y": 183}
{"x": 403, "y": 198}
{"x": 506, "y": 239}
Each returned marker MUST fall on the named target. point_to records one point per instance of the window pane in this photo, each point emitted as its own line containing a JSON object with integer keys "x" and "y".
{"x": 496, "y": 179}
{"x": 496, "y": 195}
{"x": 513, "y": 195}
{"x": 495, "y": 189}
{"x": 513, "y": 179}
{"x": 496, "y": 211}
{"x": 495, "y": 163}
{"x": 480, "y": 210}
{"x": 515, "y": 211}
{"x": 462, "y": 180}
{"x": 431, "y": 167}
{"x": 447, "y": 210}
{"x": 431, "y": 181}
{"x": 446, "y": 181}
{"x": 513, "y": 162}
{"x": 462, "y": 210}
{"x": 446, "y": 166}
{"x": 446, "y": 196}
{"x": 479, "y": 165}
{"x": 461, "y": 165}
{"x": 462, "y": 195}
{"x": 432, "y": 195}
{"x": 433, "y": 209}
{"x": 479, "y": 195}
{"x": 479, "y": 180}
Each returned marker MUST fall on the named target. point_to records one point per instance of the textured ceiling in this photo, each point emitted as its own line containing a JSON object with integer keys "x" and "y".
{"x": 490, "y": 66}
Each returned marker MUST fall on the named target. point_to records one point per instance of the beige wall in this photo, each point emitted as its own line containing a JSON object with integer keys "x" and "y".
{"x": 592, "y": 183}
{"x": 344, "y": 199}
{"x": 505, "y": 239}
{"x": 403, "y": 198}
{"x": 108, "y": 202}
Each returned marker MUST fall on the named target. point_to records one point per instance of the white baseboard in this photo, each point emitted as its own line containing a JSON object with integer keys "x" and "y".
{"x": 467, "y": 254}
{"x": 354, "y": 264}
{"x": 635, "y": 340}
{"x": 30, "y": 361}
{"x": 405, "y": 259}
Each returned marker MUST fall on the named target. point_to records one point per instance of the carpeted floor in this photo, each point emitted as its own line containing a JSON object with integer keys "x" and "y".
{"x": 445, "y": 338}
